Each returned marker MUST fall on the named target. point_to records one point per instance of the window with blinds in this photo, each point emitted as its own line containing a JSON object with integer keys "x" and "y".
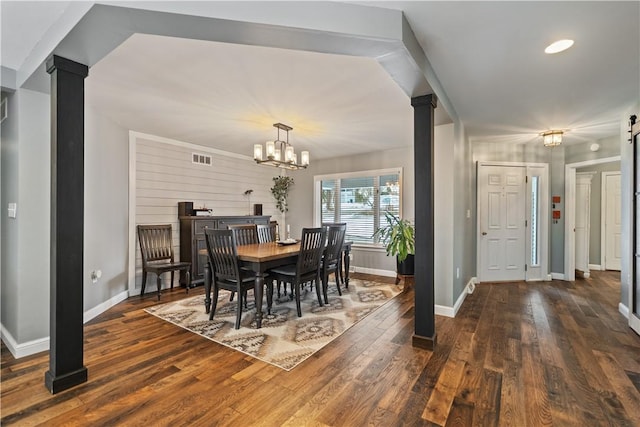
{"x": 360, "y": 200}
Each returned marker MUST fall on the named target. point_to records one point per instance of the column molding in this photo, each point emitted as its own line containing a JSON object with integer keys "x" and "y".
{"x": 66, "y": 353}
{"x": 423, "y": 125}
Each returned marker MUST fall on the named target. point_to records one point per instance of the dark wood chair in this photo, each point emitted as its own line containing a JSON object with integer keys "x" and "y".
{"x": 156, "y": 247}
{"x": 246, "y": 234}
{"x": 331, "y": 260}
{"x": 307, "y": 268}
{"x": 227, "y": 274}
{"x": 266, "y": 233}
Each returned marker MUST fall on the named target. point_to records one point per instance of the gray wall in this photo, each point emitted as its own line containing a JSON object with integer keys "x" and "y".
{"x": 106, "y": 204}
{"x": 454, "y": 192}
{"x": 301, "y": 196}
{"x": 595, "y": 209}
{"x": 626, "y": 170}
{"x": 25, "y": 239}
{"x": 9, "y": 194}
{"x": 464, "y": 246}
{"x": 557, "y": 158}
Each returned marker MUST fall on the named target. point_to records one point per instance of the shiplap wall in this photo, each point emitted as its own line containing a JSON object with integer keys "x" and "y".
{"x": 165, "y": 175}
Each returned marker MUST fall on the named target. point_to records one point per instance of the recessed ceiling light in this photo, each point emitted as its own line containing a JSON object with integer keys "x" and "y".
{"x": 559, "y": 46}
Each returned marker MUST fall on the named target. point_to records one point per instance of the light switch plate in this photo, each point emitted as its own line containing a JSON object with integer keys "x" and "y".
{"x": 13, "y": 207}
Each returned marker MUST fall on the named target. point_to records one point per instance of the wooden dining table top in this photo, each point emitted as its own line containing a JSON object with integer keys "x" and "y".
{"x": 261, "y": 252}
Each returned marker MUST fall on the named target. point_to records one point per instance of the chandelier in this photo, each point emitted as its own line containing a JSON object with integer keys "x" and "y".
{"x": 552, "y": 138}
{"x": 280, "y": 153}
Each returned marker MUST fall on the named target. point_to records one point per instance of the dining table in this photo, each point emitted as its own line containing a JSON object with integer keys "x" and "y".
{"x": 259, "y": 258}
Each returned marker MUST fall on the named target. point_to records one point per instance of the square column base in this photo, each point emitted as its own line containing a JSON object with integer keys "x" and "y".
{"x": 428, "y": 343}
{"x": 64, "y": 382}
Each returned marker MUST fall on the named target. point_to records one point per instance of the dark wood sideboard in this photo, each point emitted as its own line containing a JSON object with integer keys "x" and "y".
{"x": 192, "y": 239}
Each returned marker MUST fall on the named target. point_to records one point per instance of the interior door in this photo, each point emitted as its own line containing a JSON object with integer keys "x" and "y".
{"x": 583, "y": 205}
{"x": 501, "y": 196}
{"x": 613, "y": 222}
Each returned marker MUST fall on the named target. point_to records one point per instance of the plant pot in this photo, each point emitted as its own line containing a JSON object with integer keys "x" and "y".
{"x": 406, "y": 267}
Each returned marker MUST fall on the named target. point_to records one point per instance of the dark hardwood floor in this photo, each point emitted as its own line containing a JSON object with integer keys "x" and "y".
{"x": 520, "y": 354}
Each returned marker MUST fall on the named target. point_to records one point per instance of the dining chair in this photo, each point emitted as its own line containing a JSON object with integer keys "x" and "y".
{"x": 331, "y": 259}
{"x": 156, "y": 248}
{"x": 227, "y": 274}
{"x": 266, "y": 233}
{"x": 246, "y": 234}
{"x": 307, "y": 268}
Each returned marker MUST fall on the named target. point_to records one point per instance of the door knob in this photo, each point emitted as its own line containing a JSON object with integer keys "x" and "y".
{"x": 484, "y": 233}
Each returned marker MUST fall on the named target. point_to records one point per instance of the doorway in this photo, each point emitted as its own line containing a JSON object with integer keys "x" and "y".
{"x": 583, "y": 220}
{"x": 611, "y": 240}
{"x": 570, "y": 209}
{"x": 513, "y": 213}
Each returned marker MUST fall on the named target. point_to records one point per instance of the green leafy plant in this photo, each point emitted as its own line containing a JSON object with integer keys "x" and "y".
{"x": 280, "y": 191}
{"x": 398, "y": 236}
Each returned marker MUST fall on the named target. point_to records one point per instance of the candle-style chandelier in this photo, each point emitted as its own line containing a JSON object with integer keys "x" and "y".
{"x": 280, "y": 153}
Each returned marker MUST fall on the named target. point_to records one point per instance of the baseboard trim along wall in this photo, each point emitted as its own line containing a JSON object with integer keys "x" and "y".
{"x": 42, "y": 344}
{"x": 624, "y": 310}
{"x": 596, "y": 267}
{"x": 101, "y": 308}
{"x": 385, "y": 273}
{"x": 557, "y": 276}
{"x": 25, "y": 349}
{"x": 443, "y": 310}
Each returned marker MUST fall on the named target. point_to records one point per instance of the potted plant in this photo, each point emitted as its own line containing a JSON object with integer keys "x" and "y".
{"x": 280, "y": 191}
{"x": 398, "y": 236}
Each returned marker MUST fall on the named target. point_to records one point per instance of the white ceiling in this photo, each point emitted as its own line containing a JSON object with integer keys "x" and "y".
{"x": 488, "y": 57}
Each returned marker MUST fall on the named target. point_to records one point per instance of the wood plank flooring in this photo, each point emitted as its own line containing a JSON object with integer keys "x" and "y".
{"x": 518, "y": 354}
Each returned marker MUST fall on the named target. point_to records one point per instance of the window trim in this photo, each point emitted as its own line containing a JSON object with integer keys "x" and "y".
{"x": 317, "y": 190}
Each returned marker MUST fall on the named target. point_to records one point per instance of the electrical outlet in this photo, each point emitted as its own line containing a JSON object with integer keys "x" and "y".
{"x": 457, "y": 272}
{"x": 95, "y": 275}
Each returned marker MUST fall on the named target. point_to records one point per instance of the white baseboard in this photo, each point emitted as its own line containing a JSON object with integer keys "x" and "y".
{"x": 24, "y": 349}
{"x": 549, "y": 278}
{"x": 557, "y": 276}
{"x": 624, "y": 310}
{"x": 377, "y": 272}
{"x": 42, "y": 344}
{"x": 443, "y": 310}
{"x": 101, "y": 308}
{"x": 596, "y": 267}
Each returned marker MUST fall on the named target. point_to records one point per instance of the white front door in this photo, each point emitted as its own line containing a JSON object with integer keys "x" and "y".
{"x": 501, "y": 199}
{"x": 583, "y": 206}
{"x": 612, "y": 221}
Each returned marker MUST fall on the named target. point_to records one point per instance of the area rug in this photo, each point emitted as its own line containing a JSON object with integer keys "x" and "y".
{"x": 285, "y": 340}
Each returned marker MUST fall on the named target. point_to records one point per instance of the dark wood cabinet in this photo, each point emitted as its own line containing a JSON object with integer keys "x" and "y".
{"x": 192, "y": 239}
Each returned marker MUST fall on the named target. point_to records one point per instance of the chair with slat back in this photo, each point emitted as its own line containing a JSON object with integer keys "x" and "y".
{"x": 331, "y": 260}
{"x": 227, "y": 274}
{"x": 307, "y": 269}
{"x": 246, "y": 234}
{"x": 156, "y": 248}
{"x": 266, "y": 233}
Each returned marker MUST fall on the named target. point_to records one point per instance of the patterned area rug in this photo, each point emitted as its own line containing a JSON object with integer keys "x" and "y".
{"x": 285, "y": 340}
